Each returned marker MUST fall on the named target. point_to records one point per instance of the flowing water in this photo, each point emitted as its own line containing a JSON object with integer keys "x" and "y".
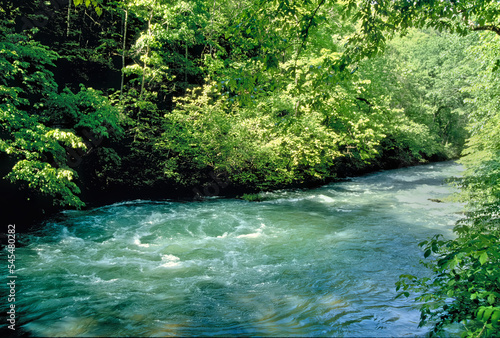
{"x": 320, "y": 262}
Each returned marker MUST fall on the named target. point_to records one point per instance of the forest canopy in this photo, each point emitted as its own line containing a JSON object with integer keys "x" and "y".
{"x": 266, "y": 93}
{"x": 103, "y": 100}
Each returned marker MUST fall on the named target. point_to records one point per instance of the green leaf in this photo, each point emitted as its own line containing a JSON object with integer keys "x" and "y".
{"x": 495, "y": 317}
{"x": 487, "y": 313}
{"x": 483, "y": 258}
{"x": 406, "y": 294}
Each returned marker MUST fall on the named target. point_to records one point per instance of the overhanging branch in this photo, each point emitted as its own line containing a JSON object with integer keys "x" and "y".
{"x": 492, "y": 28}
{"x": 305, "y": 32}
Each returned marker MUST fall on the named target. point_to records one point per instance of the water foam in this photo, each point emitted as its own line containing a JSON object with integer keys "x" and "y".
{"x": 319, "y": 262}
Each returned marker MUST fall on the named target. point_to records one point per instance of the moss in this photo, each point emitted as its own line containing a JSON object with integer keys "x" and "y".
{"x": 252, "y": 197}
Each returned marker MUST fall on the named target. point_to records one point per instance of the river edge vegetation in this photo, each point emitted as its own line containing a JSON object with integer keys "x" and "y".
{"x": 107, "y": 100}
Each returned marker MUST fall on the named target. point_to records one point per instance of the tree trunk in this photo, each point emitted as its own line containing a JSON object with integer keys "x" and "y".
{"x": 68, "y": 19}
{"x": 144, "y": 67}
{"x": 212, "y": 30}
{"x": 124, "y": 45}
{"x": 185, "y": 69}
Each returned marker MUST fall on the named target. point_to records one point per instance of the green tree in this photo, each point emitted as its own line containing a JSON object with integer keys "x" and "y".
{"x": 39, "y": 124}
{"x": 381, "y": 20}
{"x": 465, "y": 286}
{"x": 422, "y": 74}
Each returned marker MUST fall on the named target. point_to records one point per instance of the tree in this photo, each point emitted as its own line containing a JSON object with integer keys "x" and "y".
{"x": 40, "y": 125}
{"x": 422, "y": 74}
{"x": 381, "y": 20}
{"x": 464, "y": 287}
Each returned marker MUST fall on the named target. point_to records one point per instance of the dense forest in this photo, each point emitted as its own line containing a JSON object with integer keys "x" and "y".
{"x": 103, "y": 100}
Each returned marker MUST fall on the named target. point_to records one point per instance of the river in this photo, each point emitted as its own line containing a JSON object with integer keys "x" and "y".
{"x": 320, "y": 262}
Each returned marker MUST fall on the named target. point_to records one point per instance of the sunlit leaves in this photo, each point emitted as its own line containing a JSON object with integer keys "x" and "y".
{"x": 382, "y": 19}
{"x": 57, "y": 182}
{"x": 465, "y": 285}
{"x": 97, "y": 4}
{"x": 254, "y": 146}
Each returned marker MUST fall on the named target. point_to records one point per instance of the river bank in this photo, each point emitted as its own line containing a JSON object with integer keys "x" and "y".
{"x": 26, "y": 208}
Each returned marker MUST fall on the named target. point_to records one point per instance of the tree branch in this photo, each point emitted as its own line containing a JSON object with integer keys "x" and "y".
{"x": 492, "y": 28}
{"x": 305, "y": 32}
{"x": 364, "y": 100}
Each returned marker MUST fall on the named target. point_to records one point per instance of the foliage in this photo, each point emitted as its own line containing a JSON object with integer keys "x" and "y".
{"x": 381, "y": 20}
{"x": 271, "y": 102}
{"x": 95, "y": 3}
{"x": 39, "y": 124}
{"x": 422, "y": 74}
{"x": 251, "y": 145}
{"x": 176, "y": 25}
{"x": 465, "y": 286}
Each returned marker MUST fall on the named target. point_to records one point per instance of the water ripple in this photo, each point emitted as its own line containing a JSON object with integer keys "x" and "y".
{"x": 303, "y": 263}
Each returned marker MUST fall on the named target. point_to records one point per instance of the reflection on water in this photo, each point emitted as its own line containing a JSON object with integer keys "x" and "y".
{"x": 321, "y": 262}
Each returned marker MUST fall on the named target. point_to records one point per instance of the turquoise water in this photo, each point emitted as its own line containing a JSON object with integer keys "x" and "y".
{"x": 320, "y": 262}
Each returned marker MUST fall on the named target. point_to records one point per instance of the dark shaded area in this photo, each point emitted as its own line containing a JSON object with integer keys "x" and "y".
{"x": 18, "y": 205}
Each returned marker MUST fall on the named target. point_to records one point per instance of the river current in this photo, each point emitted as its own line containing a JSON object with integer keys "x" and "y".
{"x": 320, "y": 262}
